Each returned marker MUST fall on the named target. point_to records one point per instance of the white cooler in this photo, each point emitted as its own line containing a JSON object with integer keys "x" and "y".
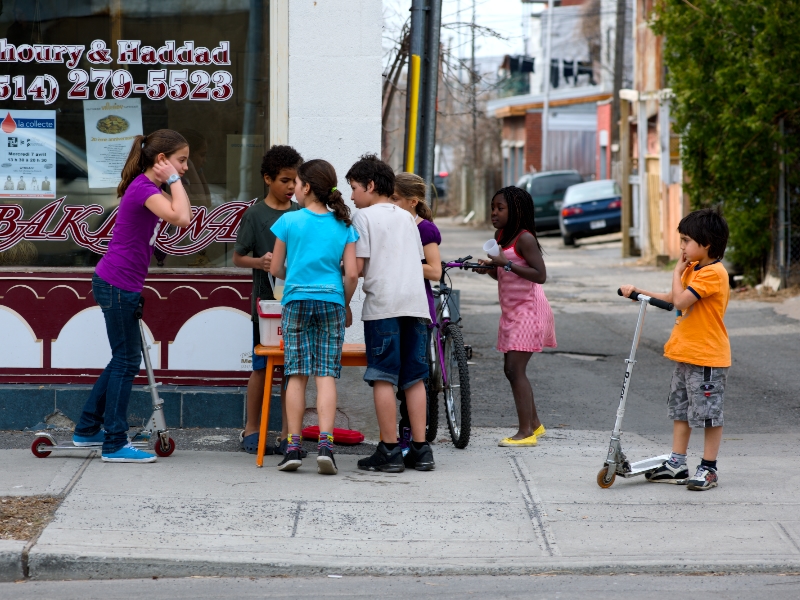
{"x": 269, "y": 322}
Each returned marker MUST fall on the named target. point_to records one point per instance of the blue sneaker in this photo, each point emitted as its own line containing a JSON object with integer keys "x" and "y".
{"x": 129, "y": 454}
{"x": 88, "y": 441}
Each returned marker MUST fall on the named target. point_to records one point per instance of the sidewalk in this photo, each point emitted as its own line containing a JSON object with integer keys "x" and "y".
{"x": 485, "y": 510}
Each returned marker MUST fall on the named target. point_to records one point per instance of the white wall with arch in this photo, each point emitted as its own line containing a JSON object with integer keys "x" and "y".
{"x": 83, "y": 343}
{"x": 18, "y": 345}
{"x": 216, "y": 339}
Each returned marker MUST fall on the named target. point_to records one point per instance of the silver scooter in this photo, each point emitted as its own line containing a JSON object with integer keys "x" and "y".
{"x": 616, "y": 462}
{"x": 156, "y": 426}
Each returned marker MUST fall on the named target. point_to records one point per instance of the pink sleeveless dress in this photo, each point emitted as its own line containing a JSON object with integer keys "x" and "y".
{"x": 526, "y": 322}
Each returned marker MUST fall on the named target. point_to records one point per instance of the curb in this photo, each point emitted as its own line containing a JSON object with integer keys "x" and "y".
{"x": 49, "y": 566}
{"x": 11, "y": 560}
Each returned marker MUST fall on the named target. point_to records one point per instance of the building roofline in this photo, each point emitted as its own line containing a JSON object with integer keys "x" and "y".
{"x": 517, "y": 106}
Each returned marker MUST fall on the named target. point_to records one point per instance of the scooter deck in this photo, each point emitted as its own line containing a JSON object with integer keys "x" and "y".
{"x": 68, "y": 445}
{"x": 643, "y": 466}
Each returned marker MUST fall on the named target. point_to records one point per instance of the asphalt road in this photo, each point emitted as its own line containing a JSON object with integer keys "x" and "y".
{"x": 578, "y": 384}
{"x": 540, "y": 587}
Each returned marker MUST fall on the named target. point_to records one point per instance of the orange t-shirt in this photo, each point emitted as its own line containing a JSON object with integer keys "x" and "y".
{"x": 699, "y": 336}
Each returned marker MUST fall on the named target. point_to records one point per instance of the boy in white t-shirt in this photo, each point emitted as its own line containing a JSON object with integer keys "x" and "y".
{"x": 395, "y": 313}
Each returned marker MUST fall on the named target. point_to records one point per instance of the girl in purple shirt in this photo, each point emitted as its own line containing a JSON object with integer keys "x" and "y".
{"x": 154, "y": 160}
{"x": 409, "y": 194}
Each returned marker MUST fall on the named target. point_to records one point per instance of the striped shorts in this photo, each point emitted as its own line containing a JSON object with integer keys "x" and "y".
{"x": 313, "y": 334}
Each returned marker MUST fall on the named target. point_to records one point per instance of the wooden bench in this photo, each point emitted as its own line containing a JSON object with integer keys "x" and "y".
{"x": 353, "y": 355}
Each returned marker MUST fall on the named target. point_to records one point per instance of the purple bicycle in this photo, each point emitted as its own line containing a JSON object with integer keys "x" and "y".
{"x": 449, "y": 370}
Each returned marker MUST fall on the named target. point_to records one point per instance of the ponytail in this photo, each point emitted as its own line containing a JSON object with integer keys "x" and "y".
{"x": 409, "y": 185}
{"x": 423, "y": 210}
{"x": 144, "y": 151}
{"x": 320, "y": 176}
{"x": 133, "y": 166}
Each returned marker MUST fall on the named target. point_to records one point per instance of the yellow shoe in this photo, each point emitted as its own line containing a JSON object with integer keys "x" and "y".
{"x": 540, "y": 431}
{"x": 510, "y": 442}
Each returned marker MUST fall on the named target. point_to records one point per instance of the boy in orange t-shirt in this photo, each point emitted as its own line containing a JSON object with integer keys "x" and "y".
{"x": 699, "y": 345}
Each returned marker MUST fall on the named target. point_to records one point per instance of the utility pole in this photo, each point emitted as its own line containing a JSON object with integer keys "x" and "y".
{"x": 782, "y": 221}
{"x": 416, "y": 50}
{"x": 429, "y": 97}
{"x": 474, "y": 93}
{"x": 619, "y": 67}
{"x": 547, "y": 69}
{"x": 625, "y": 174}
{"x": 459, "y": 42}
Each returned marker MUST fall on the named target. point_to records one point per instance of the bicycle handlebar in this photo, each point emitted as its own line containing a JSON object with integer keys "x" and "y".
{"x": 461, "y": 264}
{"x": 652, "y": 301}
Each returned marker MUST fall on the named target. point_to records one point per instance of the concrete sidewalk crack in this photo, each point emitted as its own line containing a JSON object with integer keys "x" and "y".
{"x": 533, "y": 505}
{"x": 32, "y": 542}
{"x": 789, "y": 537}
{"x": 300, "y": 505}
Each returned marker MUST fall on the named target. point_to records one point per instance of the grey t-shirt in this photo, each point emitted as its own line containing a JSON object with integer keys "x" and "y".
{"x": 393, "y": 281}
{"x": 255, "y": 236}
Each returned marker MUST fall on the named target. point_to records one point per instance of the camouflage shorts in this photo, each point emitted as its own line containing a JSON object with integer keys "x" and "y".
{"x": 696, "y": 395}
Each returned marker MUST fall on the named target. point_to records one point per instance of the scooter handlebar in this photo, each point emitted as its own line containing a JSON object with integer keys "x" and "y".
{"x": 652, "y": 301}
{"x": 139, "y": 309}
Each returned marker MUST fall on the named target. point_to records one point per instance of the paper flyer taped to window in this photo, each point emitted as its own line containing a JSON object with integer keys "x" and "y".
{"x": 28, "y": 154}
{"x": 110, "y": 126}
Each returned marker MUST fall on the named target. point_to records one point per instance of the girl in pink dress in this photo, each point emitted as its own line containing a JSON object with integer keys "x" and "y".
{"x": 526, "y": 322}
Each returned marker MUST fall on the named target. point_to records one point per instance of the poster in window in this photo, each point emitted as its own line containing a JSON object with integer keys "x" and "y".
{"x": 28, "y": 154}
{"x": 110, "y": 126}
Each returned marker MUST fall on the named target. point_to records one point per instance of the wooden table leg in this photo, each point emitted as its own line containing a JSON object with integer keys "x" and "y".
{"x": 262, "y": 435}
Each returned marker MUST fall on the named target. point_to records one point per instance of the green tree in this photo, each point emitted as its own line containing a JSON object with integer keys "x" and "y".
{"x": 733, "y": 66}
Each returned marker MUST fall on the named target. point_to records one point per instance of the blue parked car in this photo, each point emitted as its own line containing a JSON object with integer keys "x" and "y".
{"x": 591, "y": 208}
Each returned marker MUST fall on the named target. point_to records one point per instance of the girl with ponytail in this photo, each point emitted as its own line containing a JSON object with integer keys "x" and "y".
{"x": 155, "y": 160}
{"x": 409, "y": 194}
{"x": 310, "y": 247}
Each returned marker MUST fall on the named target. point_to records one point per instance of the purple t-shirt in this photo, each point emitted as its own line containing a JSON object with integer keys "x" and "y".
{"x": 429, "y": 234}
{"x": 132, "y": 240}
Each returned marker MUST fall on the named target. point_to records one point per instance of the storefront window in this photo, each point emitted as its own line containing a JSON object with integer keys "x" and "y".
{"x": 79, "y": 79}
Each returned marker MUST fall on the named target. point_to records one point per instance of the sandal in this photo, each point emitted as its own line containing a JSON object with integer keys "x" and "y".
{"x": 249, "y": 444}
{"x": 511, "y": 442}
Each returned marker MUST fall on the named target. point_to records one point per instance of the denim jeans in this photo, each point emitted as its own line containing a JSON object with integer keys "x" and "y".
{"x": 107, "y": 406}
{"x": 396, "y": 351}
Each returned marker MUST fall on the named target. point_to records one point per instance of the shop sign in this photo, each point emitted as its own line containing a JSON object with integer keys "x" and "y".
{"x": 206, "y": 227}
{"x": 100, "y": 82}
{"x": 28, "y": 154}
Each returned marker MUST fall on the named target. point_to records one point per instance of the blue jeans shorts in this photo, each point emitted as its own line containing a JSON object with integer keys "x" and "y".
{"x": 396, "y": 351}
{"x": 259, "y": 362}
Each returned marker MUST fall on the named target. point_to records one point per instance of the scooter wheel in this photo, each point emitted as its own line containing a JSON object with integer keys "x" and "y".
{"x": 36, "y": 447}
{"x": 160, "y": 450}
{"x": 601, "y": 478}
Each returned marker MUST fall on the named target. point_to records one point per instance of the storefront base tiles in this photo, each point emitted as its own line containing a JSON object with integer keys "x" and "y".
{"x": 28, "y": 406}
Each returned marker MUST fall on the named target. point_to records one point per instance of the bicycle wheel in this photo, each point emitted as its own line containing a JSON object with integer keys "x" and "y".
{"x": 457, "y": 405}
{"x": 433, "y": 411}
{"x": 432, "y": 388}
